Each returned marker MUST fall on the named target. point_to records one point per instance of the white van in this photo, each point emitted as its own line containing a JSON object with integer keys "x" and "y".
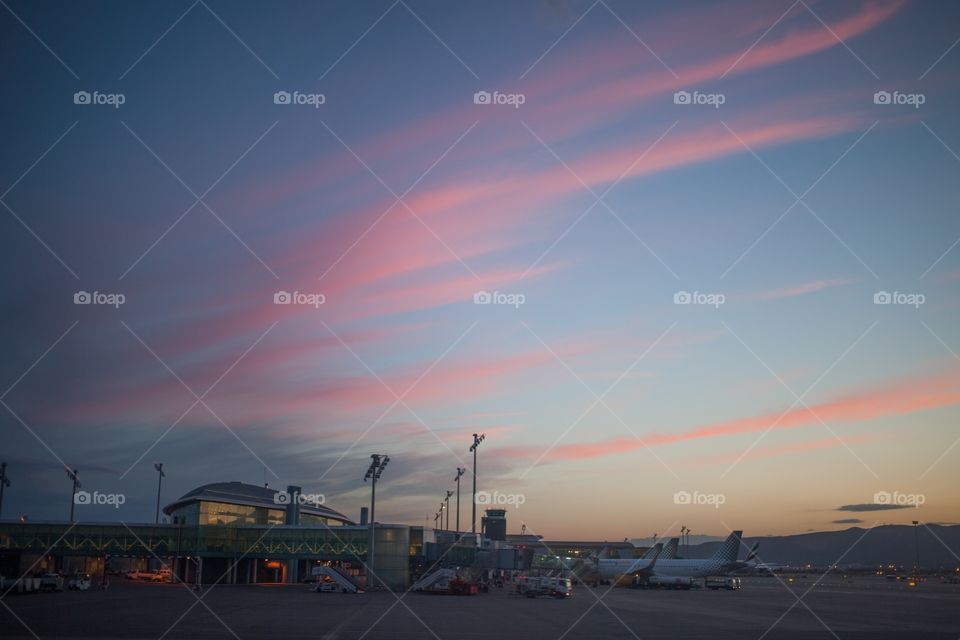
{"x": 79, "y": 582}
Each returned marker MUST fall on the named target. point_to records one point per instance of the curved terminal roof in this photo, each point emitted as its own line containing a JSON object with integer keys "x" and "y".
{"x": 249, "y": 495}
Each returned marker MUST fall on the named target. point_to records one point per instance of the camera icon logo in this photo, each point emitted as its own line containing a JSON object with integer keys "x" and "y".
{"x": 82, "y": 297}
{"x": 81, "y": 497}
{"x": 281, "y": 97}
{"x": 482, "y": 297}
{"x": 882, "y": 97}
{"x": 482, "y": 97}
{"x": 882, "y": 297}
{"x": 682, "y": 297}
{"x": 281, "y": 497}
{"x": 483, "y": 497}
{"x": 81, "y": 97}
{"x": 282, "y": 297}
{"x": 682, "y": 497}
{"x": 883, "y": 497}
{"x": 681, "y": 97}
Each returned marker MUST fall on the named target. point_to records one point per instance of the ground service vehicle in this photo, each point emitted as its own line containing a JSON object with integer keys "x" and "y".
{"x": 670, "y": 582}
{"x": 719, "y": 582}
{"x": 547, "y": 586}
{"x": 51, "y": 582}
{"x": 79, "y": 582}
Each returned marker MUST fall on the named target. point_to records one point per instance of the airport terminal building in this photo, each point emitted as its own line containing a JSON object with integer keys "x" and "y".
{"x": 239, "y": 504}
{"x": 238, "y": 533}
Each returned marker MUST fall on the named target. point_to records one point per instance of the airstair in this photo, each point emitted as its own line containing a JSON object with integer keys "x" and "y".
{"x": 434, "y": 579}
{"x": 342, "y": 580}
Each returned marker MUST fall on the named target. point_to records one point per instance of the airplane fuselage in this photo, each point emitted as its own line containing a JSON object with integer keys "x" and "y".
{"x": 610, "y": 568}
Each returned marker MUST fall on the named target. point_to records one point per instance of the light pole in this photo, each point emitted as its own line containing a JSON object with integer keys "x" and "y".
{"x": 447, "y": 507}
{"x": 378, "y": 462}
{"x": 916, "y": 542}
{"x": 683, "y": 531}
{"x": 75, "y": 478}
{"x": 159, "y": 467}
{"x": 477, "y": 439}
{"x": 460, "y": 472}
{"x": 4, "y": 482}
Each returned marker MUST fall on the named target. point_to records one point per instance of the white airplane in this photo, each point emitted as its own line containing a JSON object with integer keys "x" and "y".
{"x": 753, "y": 566}
{"x": 723, "y": 561}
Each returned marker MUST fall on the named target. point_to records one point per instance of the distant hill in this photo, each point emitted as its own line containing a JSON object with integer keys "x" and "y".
{"x": 939, "y": 547}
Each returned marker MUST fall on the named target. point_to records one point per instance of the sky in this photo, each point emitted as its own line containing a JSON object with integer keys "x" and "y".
{"x": 685, "y": 264}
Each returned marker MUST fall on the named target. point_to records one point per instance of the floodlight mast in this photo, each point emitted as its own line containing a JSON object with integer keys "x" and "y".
{"x": 477, "y": 439}
{"x": 74, "y": 477}
{"x": 378, "y": 462}
{"x": 4, "y": 482}
{"x": 160, "y": 474}
{"x": 460, "y": 472}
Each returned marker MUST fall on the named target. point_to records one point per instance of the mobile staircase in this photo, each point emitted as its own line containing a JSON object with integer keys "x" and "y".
{"x": 342, "y": 580}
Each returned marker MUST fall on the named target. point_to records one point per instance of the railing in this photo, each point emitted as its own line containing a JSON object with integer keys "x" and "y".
{"x": 342, "y": 543}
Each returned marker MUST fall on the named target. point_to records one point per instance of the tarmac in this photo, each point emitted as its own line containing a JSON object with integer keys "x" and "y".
{"x": 835, "y": 607}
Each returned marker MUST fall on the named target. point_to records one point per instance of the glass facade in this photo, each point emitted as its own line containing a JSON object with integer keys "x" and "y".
{"x": 233, "y": 515}
{"x": 224, "y": 514}
{"x": 391, "y": 555}
{"x": 310, "y": 519}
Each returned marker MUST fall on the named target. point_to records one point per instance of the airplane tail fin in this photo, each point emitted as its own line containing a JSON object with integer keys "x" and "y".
{"x": 654, "y": 554}
{"x": 670, "y": 549}
{"x": 730, "y": 548}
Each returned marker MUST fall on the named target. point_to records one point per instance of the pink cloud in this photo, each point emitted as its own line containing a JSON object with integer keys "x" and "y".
{"x": 790, "y": 448}
{"x": 890, "y": 400}
{"x": 406, "y": 263}
{"x": 573, "y": 91}
{"x": 802, "y": 289}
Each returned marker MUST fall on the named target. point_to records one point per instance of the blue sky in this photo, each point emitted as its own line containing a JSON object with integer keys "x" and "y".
{"x": 598, "y": 200}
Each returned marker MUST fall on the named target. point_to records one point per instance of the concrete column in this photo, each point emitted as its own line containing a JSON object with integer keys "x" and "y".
{"x": 291, "y": 571}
